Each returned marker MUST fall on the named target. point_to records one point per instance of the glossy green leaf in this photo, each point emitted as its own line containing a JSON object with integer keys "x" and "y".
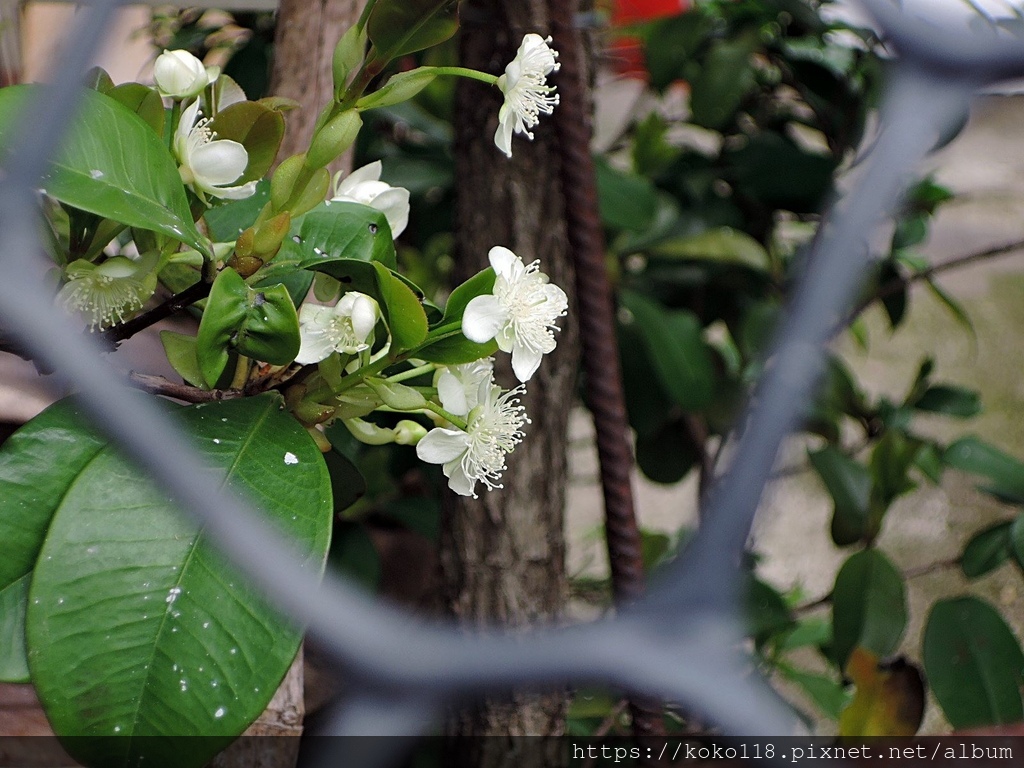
{"x": 399, "y": 27}
{"x": 766, "y": 611}
{"x": 258, "y": 323}
{"x": 13, "y": 656}
{"x": 773, "y": 169}
{"x": 677, "y": 349}
{"x": 627, "y": 201}
{"x": 143, "y": 101}
{"x": 257, "y": 128}
{"x": 138, "y": 629}
{"x": 456, "y": 350}
{"x": 723, "y": 245}
{"x": 973, "y": 663}
{"x": 227, "y": 221}
{"x": 1016, "y": 536}
{"x": 986, "y": 551}
{"x": 337, "y": 230}
{"x": 98, "y": 167}
{"x": 181, "y": 354}
{"x": 955, "y": 307}
{"x": 480, "y": 284}
{"x": 401, "y": 307}
{"x": 1005, "y": 473}
{"x": 869, "y": 606}
{"x": 849, "y": 484}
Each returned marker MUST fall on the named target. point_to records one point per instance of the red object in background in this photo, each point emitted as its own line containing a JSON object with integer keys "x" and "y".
{"x": 626, "y": 53}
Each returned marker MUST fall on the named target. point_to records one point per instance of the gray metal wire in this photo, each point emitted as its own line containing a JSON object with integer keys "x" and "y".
{"x": 683, "y": 642}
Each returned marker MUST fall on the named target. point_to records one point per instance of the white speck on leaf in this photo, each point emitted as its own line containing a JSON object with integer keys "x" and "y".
{"x": 291, "y": 458}
{"x": 219, "y": 713}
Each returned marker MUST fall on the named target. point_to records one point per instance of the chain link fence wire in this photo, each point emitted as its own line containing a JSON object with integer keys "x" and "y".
{"x": 684, "y": 641}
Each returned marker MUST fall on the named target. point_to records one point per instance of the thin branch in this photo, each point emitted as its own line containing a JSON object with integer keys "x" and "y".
{"x": 158, "y": 385}
{"x": 895, "y": 286}
{"x": 925, "y": 570}
{"x": 192, "y": 294}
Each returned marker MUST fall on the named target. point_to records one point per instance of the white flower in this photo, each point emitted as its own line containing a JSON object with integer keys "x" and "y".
{"x": 179, "y": 74}
{"x": 364, "y": 186}
{"x": 210, "y": 164}
{"x": 527, "y": 93}
{"x": 520, "y": 314}
{"x": 110, "y": 292}
{"x": 458, "y": 386}
{"x": 346, "y": 327}
{"x": 494, "y": 429}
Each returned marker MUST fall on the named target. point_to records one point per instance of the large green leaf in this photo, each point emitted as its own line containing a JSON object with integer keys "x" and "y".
{"x": 346, "y": 230}
{"x": 973, "y": 663}
{"x": 869, "y": 606}
{"x": 987, "y": 550}
{"x": 849, "y": 484}
{"x": 399, "y": 27}
{"x": 627, "y": 201}
{"x": 1004, "y": 472}
{"x": 112, "y": 164}
{"x": 137, "y": 627}
{"x": 724, "y": 80}
{"x": 30, "y": 491}
{"x": 677, "y": 349}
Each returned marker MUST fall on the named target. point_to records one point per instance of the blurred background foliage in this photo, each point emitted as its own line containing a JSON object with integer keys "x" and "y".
{"x": 742, "y": 119}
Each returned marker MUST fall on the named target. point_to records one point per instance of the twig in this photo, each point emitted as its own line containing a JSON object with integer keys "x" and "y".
{"x": 925, "y": 570}
{"x": 158, "y": 385}
{"x": 895, "y": 286}
{"x": 192, "y": 294}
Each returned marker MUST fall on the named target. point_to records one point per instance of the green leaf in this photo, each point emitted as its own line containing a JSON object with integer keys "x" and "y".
{"x": 480, "y": 284}
{"x": 13, "y": 657}
{"x": 955, "y": 307}
{"x": 723, "y": 245}
{"x": 258, "y": 323}
{"x": 143, "y": 101}
{"x": 950, "y": 400}
{"x": 400, "y": 306}
{"x": 347, "y": 481}
{"x": 137, "y": 625}
{"x": 668, "y": 453}
{"x": 826, "y": 692}
{"x": 227, "y": 221}
{"x": 256, "y": 127}
{"x": 726, "y": 77}
{"x": 673, "y": 43}
{"x": 766, "y": 611}
{"x": 400, "y": 27}
{"x": 773, "y": 169}
{"x": 849, "y": 484}
{"x": 1016, "y": 536}
{"x": 869, "y": 606}
{"x": 99, "y": 168}
{"x": 680, "y": 355}
{"x": 1004, "y": 472}
{"x": 986, "y": 551}
{"x": 974, "y": 663}
{"x": 456, "y": 350}
{"x": 627, "y": 201}
{"x": 181, "y": 354}
{"x": 346, "y": 230}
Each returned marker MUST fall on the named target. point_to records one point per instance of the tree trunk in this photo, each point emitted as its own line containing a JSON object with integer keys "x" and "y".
{"x": 307, "y": 31}
{"x": 503, "y": 555}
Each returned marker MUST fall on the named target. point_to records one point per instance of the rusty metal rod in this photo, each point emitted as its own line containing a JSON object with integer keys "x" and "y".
{"x": 596, "y": 312}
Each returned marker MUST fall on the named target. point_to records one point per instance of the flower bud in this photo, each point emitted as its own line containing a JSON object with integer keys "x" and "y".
{"x": 334, "y": 138}
{"x": 409, "y": 432}
{"x": 179, "y": 75}
{"x": 399, "y": 88}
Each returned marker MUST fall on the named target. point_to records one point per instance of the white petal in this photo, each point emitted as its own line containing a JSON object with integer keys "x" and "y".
{"x": 503, "y": 136}
{"x": 240, "y": 192}
{"x": 364, "y": 316}
{"x": 315, "y": 315}
{"x": 458, "y": 481}
{"x": 504, "y": 261}
{"x": 442, "y": 445}
{"x": 452, "y": 394}
{"x": 394, "y": 204}
{"x": 219, "y": 162}
{"x": 525, "y": 362}
{"x": 315, "y": 346}
{"x": 483, "y": 318}
{"x": 187, "y": 121}
{"x": 369, "y": 172}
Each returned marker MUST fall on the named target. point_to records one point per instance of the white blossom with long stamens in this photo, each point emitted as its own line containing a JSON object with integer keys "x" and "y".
{"x": 208, "y": 164}
{"x": 519, "y": 314}
{"x": 527, "y": 93}
{"x": 346, "y": 327}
